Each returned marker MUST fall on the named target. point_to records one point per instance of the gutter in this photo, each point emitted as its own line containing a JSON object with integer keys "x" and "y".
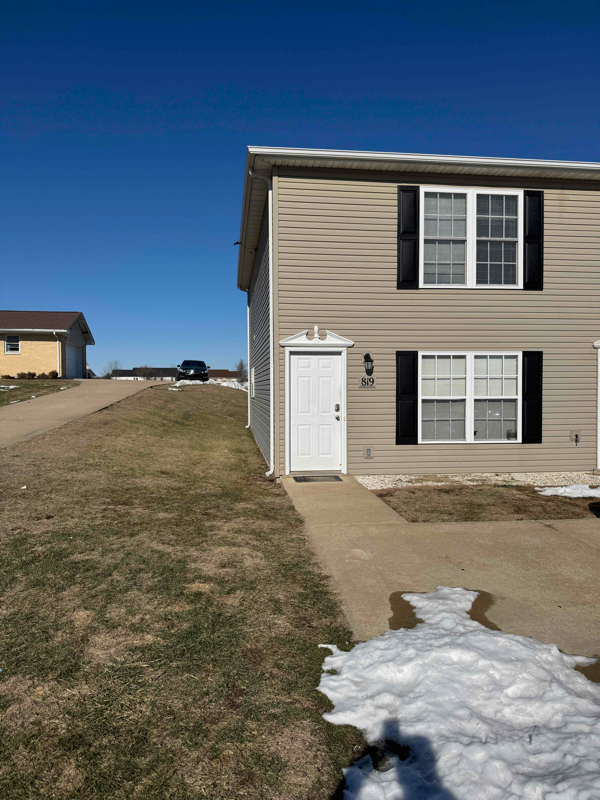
{"x": 271, "y": 326}
{"x": 32, "y": 330}
{"x": 423, "y": 158}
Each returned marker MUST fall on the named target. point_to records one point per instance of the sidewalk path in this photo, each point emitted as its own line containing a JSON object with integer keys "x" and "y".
{"x": 31, "y": 417}
{"x": 542, "y": 575}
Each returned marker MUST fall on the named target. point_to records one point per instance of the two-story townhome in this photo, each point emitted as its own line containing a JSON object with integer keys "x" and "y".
{"x": 421, "y": 313}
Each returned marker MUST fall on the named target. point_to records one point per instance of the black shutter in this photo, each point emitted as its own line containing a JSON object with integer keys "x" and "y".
{"x": 408, "y": 237}
{"x": 407, "y": 397}
{"x": 533, "y": 246}
{"x": 532, "y": 396}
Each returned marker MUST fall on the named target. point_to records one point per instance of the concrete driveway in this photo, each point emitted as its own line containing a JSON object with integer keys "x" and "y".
{"x": 541, "y": 576}
{"x": 31, "y": 417}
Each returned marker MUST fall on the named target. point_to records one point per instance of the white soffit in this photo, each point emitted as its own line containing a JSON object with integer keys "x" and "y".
{"x": 263, "y": 159}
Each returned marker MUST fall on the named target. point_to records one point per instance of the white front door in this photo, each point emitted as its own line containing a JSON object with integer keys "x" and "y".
{"x": 316, "y": 414}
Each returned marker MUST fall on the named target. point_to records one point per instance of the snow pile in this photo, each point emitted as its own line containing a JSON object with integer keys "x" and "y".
{"x": 231, "y": 384}
{"x": 576, "y": 490}
{"x": 486, "y": 715}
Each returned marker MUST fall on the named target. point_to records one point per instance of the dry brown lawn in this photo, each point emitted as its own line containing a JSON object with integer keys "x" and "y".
{"x": 26, "y": 389}
{"x": 160, "y": 613}
{"x": 460, "y": 503}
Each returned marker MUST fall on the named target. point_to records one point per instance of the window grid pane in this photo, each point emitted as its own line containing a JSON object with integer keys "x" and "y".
{"x": 495, "y": 419}
{"x": 496, "y": 376}
{"x": 443, "y": 376}
{"x": 443, "y": 419}
{"x": 445, "y": 232}
{"x": 497, "y": 222}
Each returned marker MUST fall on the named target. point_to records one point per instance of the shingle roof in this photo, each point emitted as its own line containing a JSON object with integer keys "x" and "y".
{"x": 38, "y": 320}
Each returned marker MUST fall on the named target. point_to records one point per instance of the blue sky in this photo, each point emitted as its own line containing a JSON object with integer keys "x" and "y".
{"x": 123, "y": 128}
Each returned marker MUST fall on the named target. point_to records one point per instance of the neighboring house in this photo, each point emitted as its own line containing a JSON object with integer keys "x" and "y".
{"x": 233, "y": 375}
{"x": 145, "y": 373}
{"x": 457, "y": 301}
{"x": 43, "y": 341}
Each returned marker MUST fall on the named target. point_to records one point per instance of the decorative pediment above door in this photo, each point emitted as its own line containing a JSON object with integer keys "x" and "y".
{"x": 331, "y": 340}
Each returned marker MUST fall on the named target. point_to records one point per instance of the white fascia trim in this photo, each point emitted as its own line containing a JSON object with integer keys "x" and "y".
{"x": 32, "y": 330}
{"x": 424, "y": 158}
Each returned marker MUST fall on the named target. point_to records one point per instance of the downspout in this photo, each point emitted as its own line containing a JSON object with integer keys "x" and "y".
{"x": 597, "y": 470}
{"x": 248, "y": 357}
{"x": 57, "y": 354}
{"x": 271, "y": 327}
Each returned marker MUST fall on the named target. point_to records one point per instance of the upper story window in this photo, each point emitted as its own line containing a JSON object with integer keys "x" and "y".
{"x": 12, "y": 344}
{"x": 471, "y": 238}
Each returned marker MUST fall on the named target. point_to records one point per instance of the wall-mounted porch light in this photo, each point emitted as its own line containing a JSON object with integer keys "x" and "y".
{"x": 368, "y": 363}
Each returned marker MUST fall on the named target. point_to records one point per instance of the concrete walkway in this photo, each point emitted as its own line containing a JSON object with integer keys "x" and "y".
{"x": 542, "y": 575}
{"x": 31, "y": 417}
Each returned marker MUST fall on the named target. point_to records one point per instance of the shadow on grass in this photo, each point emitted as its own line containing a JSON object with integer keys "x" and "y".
{"x": 418, "y": 783}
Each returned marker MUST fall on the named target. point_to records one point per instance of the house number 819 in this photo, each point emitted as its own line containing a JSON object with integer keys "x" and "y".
{"x": 366, "y": 382}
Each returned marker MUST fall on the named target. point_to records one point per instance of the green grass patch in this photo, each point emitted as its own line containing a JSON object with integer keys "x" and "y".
{"x": 161, "y": 612}
{"x": 26, "y": 390}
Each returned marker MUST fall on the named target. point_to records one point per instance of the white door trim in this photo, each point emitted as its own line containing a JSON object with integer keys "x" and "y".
{"x": 300, "y": 343}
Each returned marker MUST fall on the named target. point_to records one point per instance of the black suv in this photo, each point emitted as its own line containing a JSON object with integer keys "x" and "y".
{"x": 192, "y": 371}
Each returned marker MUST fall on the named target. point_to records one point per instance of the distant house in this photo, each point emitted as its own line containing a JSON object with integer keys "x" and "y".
{"x": 44, "y": 341}
{"x": 145, "y": 374}
{"x": 164, "y": 374}
{"x": 225, "y": 373}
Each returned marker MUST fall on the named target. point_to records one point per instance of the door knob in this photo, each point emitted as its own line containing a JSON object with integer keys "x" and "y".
{"x": 337, "y": 416}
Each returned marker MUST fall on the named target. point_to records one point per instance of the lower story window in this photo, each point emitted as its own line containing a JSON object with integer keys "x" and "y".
{"x": 12, "y": 344}
{"x": 469, "y": 397}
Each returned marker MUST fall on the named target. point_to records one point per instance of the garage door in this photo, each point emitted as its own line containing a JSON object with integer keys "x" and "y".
{"x": 74, "y": 361}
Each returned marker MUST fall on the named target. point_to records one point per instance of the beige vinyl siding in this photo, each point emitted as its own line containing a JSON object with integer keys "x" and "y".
{"x": 337, "y": 269}
{"x": 258, "y": 300}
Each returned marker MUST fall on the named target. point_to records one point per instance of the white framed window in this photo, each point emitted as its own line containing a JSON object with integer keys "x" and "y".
{"x": 469, "y": 397}
{"x": 252, "y": 382}
{"x": 471, "y": 238}
{"x": 12, "y": 344}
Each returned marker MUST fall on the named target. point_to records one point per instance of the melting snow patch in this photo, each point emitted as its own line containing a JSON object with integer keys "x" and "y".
{"x": 174, "y": 389}
{"x": 487, "y": 715}
{"x": 576, "y": 490}
{"x": 6, "y": 388}
{"x": 225, "y": 382}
